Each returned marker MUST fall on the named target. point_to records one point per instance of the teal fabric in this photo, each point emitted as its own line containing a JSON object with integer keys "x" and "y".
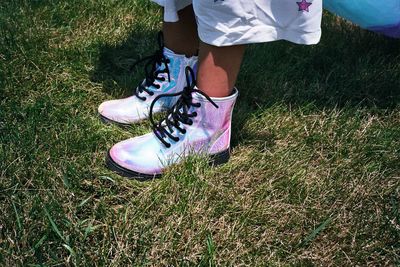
{"x": 382, "y": 16}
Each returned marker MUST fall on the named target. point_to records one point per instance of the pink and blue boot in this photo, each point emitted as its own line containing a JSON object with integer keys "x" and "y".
{"x": 197, "y": 124}
{"x": 165, "y": 74}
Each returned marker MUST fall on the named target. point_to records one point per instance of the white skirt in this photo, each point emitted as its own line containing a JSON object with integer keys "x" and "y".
{"x": 234, "y": 22}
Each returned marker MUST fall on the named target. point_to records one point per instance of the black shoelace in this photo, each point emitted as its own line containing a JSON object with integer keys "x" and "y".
{"x": 151, "y": 69}
{"x": 179, "y": 113}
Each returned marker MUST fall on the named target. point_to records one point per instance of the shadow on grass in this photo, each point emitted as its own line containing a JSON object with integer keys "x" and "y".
{"x": 112, "y": 68}
{"x": 349, "y": 67}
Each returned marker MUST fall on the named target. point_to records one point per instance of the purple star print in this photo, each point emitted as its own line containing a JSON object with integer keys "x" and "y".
{"x": 304, "y": 5}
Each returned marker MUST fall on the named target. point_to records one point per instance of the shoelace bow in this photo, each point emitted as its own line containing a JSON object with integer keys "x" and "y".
{"x": 179, "y": 113}
{"x": 152, "y": 69}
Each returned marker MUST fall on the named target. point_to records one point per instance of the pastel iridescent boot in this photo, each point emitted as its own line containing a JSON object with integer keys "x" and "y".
{"x": 165, "y": 73}
{"x": 197, "y": 124}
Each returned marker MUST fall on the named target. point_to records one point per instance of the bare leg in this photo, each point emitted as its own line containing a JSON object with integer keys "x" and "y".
{"x": 181, "y": 37}
{"x": 218, "y": 68}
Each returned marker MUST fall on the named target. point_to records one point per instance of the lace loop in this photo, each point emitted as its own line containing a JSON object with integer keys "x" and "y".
{"x": 152, "y": 70}
{"x": 179, "y": 113}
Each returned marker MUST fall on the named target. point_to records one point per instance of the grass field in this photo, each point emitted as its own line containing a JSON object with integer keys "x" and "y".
{"x": 314, "y": 177}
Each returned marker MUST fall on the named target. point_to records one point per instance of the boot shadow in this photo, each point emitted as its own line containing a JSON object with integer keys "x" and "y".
{"x": 113, "y": 67}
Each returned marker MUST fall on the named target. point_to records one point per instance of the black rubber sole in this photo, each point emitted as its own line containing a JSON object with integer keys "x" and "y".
{"x": 216, "y": 159}
{"x": 124, "y": 172}
{"x": 108, "y": 121}
{"x": 220, "y": 158}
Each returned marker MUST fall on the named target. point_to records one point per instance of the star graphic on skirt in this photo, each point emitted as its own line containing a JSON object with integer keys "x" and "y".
{"x": 304, "y": 5}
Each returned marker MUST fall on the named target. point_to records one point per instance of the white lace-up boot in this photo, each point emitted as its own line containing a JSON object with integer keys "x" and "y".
{"x": 165, "y": 74}
{"x": 197, "y": 124}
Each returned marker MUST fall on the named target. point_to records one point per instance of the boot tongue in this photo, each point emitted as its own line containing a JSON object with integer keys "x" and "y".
{"x": 168, "y": 52}
{"x": 197, "y": 96}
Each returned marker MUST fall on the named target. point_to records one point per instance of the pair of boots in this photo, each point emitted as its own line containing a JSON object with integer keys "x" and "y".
{"x": 194, "y": 123}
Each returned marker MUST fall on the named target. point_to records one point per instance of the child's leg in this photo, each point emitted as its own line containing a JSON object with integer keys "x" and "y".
{"x": 181, "y": 36}
{"x": 218, "y": 68}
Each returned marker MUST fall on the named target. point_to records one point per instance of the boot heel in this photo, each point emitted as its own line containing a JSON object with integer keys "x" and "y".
{"x": 220, "y": 158}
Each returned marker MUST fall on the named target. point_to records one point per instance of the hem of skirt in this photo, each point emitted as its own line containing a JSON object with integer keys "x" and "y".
{"x": 171, "y": 12}
{"x": 260, "y": 35}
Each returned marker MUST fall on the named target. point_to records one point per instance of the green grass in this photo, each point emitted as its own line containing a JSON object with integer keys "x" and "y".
{"x": 313, "y": 178}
